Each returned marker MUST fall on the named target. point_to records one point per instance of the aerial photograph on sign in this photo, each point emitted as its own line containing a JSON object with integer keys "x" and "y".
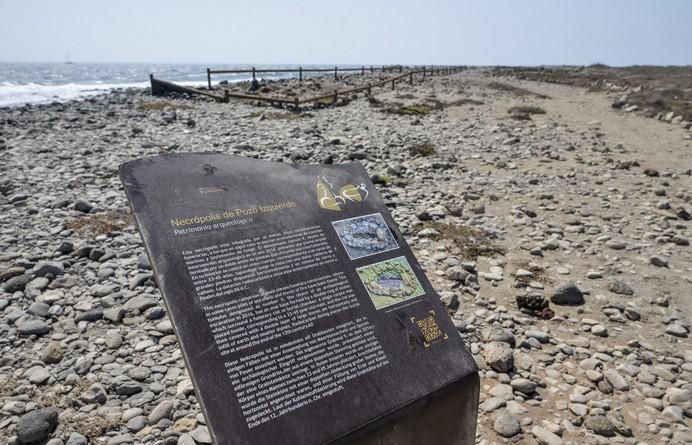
{"x": 365, "y": 235}
{"x": 390, "y": 282}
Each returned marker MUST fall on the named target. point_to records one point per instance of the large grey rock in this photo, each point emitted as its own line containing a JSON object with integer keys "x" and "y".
{"x": 162, "y": 411}
{"x": 544, "y": 436}
{"x": 96, "y": 393}
{"x": 507, "y": 425}
{"x": 140, "y": 303}
{"x": 83, "y": 206}
{"x": 600, "y": 425}
{"x": 33, "y": 326}
{"x": 567, "y": 294}
{"x": 52, "y": 353}
{"x": 620, "y": 287}
{"x": 617, "y": 380}
{"x": 17, "y": 283}
{"x": 44, "y": 268}
{"x": 76, "y": 439}
{"x": 201, "y": 434}
{"x": 36, "y": 426}
{"x": 499, "y": 356}
{"x": 185, "y": 439}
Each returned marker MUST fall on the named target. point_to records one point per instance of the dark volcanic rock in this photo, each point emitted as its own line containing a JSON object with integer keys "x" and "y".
{"x": 17, "y": 283}
{"x": 36, "y": 426}
{"x": 567, "y": 294}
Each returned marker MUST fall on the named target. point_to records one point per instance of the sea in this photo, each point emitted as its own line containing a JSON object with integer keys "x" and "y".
{"x": 35, "y": 83}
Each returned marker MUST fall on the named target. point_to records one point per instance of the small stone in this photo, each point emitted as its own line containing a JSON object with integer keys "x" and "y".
{"x": 567, "y": 294}
{"x": 491, "y": 404}
{"x": 507, "y": 425}
{"x": 76, "y": 439}
{"x": 525, "y": 386}
{"x": 90, "y": 315}
{"x": 96, "y": 393}
{"x": 621, "y": 288}
{"x": 545, "y": 437}
{"x": 44, "y": 268}
{"x": 52, "y": 353}
{"x": 617, "y": 380}
{"x": 113, "y": 339}
{"x": 17, "y": 283}
{"x": 33, "y": 326}
{"x": 599, "y": 330}
{"x": 185, "y": 439}
{"x": 120, "y": 439}
{"x": 83, "y": 206}
{"x": 136, "y": 423}
{"x": 201, "y": 435}
{"x": 38, "y": 375}
{"x": 673, "y": 413}
{"x": 600, "y": 425}
{"x": 676, "y": 329}
{"x": 658, "y": 261}
{"x": 162, "y": 411}
{"x": 114, "y": 314}
{"x": 456, "y": 273}
{"x": 615, "y": 244}
{"x": 36, "y": 426}
{"x": 39, "y": 309}
{"x": 541, "y": 336}
{"x": 140, "y": 304}
{"x": 499, "y": 356}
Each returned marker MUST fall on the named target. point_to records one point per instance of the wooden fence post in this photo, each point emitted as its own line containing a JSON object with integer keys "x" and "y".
{"x": 209, "y": 78}
{"x": 336, "y": 73}
{"x": 362, "y": 70}
{"x": 253, "y": 74}
{"x": 410, "y": 78}
{"x": 300, "y": 73}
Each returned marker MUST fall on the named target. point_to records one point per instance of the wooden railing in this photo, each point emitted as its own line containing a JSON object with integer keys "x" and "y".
{"x": 159, "y": 86}
{"x": 300, "y": 70}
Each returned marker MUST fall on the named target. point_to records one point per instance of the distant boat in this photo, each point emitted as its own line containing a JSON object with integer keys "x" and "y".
{"x": 69, "y": 63}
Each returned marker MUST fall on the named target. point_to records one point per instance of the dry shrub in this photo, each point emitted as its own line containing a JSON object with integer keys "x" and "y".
{"x": 516, "y": 91}
{"x": 470, "y": 241}
{"x": 101, "y": 223}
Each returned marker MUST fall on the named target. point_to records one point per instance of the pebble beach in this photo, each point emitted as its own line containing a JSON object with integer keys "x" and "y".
{"x": 554, "y": 226}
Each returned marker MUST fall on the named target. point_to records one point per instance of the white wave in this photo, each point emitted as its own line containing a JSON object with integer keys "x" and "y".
{"x": 12, "y": 94}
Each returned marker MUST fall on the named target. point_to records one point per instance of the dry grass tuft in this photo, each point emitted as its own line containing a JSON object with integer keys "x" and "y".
{"x": 516, "y": 91}
{"x": 407, "y": 110}
{"x": 422, "y": 149}
{"x": 101, "y": 223}
{"x": 470, "y": 241}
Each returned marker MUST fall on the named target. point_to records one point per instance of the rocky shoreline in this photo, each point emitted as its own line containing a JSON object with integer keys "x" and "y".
{"x": 554, "y": 227}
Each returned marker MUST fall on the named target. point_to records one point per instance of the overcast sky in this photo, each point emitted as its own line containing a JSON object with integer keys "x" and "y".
{"x": 479, "y": 32}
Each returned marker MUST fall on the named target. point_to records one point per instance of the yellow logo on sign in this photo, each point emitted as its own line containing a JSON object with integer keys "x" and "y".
{"x": 329, "y": 200}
